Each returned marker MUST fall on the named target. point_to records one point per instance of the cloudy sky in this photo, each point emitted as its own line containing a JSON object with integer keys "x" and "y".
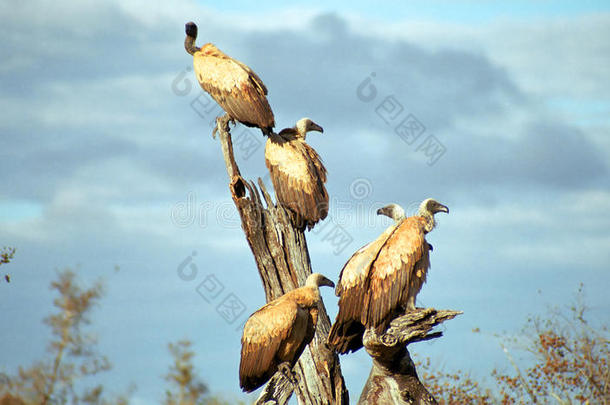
{"x": 106, "y": 160}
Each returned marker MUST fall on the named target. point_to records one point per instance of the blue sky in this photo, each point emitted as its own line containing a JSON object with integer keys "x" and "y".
{"x": 446, "y": 11}
{"x": 106, "y": 160}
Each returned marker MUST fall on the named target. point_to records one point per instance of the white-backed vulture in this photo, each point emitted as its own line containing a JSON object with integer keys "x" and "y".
{"x": 275, "y": 336}
{"x": 297, "y": 173}
{"x": 382, "y": 279}
{"x": 234, "y": 86}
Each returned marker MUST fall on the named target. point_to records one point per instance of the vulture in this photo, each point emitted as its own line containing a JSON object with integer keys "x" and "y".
{"x": 297, "y": 173}
{"x": 275, "y": 336}
{"x": 234, "y": 86}
{"x": 382, "y": 279}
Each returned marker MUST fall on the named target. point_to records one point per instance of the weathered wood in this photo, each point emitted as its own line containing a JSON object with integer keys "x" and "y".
{"x": 393, "y": 378}
{"x": 277, "y": 391}
{"x": 282, "y": 258}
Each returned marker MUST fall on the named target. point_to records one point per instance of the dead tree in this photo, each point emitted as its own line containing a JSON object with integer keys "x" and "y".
{"x": 281, "y": 255}
{"x": 282, "y": 258}
{"x": 393, "y": 378}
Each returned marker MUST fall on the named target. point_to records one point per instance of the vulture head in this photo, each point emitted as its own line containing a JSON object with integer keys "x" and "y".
{"x": 318, "y": 280}
{"x": 428, "y": 208}
{"x": 304, "y": 125}
{"x": 191, "y": 35}
{"x": 393, "y": 211}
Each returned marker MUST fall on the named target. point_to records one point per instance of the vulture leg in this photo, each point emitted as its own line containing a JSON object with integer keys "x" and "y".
{"x": 411, "y": 303}
{"x": 287, "y": 372}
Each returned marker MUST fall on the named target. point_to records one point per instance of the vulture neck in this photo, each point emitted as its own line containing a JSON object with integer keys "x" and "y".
{"x": 300, "y": 134}
{"x": 308, "y": 295}
{"x": 398, "y": 218}
{"x": 289, "y": 134}
{"x": 189, "y": 45}
{"x": 429, "y": 218}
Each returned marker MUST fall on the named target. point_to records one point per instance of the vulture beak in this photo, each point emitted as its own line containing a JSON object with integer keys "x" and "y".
{"x": 316, "y": 127}
{"x": 442, "y": 208}
{"x": 383, "y": 211}
{"x": 327, "y": 282}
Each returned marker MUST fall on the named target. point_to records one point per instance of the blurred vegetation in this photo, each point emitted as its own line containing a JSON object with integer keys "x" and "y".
{"x": 567, "y": 363}
{"x": 6, "y": 255}
{"x": 182, "y": 376}
{"x": 564, "y": 360}
{"x": 186, "y": 387}
{"x": 72, "y": 358}
{"x": 71, "y": 353}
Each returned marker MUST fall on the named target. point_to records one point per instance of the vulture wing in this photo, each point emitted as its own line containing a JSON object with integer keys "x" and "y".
{"x": 238, "y": 90}
{"x": 298, "y": 177}
{"x": 269, "y": 335}
{"x": 377, "y": 280}
{"x": 254, "y": 77}
{"x": 352, "y": 288}
{"x": 401, "y": 266}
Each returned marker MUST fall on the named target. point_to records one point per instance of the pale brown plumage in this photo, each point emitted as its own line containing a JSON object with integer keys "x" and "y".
{"x": 297, "y": 173}
{"x": 278, "y": 333}
{"x": 234, "y": 86}
{"x": 382, "y": 279}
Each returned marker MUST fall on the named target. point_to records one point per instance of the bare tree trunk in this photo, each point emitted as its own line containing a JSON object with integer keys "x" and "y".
{"x": 393, "y": 378}
{"x": 282, "y": 258}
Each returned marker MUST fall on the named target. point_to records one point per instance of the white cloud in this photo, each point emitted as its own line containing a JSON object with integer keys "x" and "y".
{"x": 560, "y": 56}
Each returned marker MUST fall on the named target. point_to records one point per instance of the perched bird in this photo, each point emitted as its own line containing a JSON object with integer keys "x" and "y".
{"x": 382, "y": 279}
{"x": 297, "y": 173}
{"x": 234, "y": 86}
{"x": 275, "y": 336}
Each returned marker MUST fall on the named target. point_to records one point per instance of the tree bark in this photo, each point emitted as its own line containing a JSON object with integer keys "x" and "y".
{"x": 393, "y": 378}
{"x": 282, "y": 258}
